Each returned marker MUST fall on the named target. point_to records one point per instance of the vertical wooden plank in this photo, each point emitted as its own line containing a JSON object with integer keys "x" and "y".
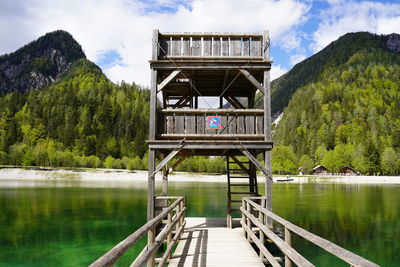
{"x": 250, "y": 123}
{"x": 225, "y": 47}
{"x": 246, "y": 47}
{"x": 235, "y": 47}
{"x": 170, "y": 123}
{"x": 186, "y": 46}
{"x": 207, "y": 46}
{"x": 224, "y": 128}
{"x": 190, "y": 126}
{"x": 200, "y": 124}
{"x": 260, "y": 124}
{"x": 155, "y": 51}
{"x": 196, "y": 46}
{"x": 256, "y": 47}
{"x": 216, "y": 47}
{"x": 176, "y": 46}
{"x": 240, "y": 124}
{"x": 232, "y": 124}
{"x": 161, "y": 123}
{"x": 265, "y": 45}
{"x": 165, "y": 46}
{"x": 179, "y": 124}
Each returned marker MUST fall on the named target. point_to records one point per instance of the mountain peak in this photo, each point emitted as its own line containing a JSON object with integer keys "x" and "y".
{"x": 39, "y": 63}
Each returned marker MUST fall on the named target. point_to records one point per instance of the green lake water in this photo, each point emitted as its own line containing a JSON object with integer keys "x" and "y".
{"x": 71, "y": 223}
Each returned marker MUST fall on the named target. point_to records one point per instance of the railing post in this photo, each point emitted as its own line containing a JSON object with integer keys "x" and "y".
{"x": 169, "y": 238}
{"x": 243, "y": 217}
{"x": 288, "y": 240}
{"x": 248, "y": 222}
{"x": 261, "y": 218}
{"x": 150, "y": 241}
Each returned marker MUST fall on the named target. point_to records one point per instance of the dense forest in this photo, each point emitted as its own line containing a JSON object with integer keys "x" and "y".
{"x": 348, "y": 114}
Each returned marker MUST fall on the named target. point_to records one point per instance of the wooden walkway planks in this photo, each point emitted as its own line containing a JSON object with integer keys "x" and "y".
{"x": 208, "y": 242}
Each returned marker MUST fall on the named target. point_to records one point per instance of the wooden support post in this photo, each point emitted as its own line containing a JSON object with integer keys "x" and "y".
{"x": 165, "y": 181}
{"x": 267, "y": 127}
{"x": 152, "y": 152}
{"x": 288, "y": 240}
{"x": 150, "y": 203}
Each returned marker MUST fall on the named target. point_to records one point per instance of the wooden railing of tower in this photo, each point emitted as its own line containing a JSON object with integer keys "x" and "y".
{"x": 210, "y": 45}
{"x": 174, "y": 217}
{"x": 254, "y": 222}
{"x": 191, "y": 123}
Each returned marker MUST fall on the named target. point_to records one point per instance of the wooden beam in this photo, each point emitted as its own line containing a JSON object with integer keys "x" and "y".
{"x": 177, "y": 163}
{"x": 255, "y": 162}
{"x": 167, "y": 80}
{"x": 237, "y": 102}
{"x": 233, "y": 102}
{"x": 166, "y": 159}
{"x": 252, "y": 80}
{"x": 240, "y": 164}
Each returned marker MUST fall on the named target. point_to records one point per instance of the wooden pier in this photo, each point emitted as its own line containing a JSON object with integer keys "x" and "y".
{"x": 208, "y": 242}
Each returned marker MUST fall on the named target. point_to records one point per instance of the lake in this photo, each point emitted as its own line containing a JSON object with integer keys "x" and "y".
{"x": 73, "y": 222}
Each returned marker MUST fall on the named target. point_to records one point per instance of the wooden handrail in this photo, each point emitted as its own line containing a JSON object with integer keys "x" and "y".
{"x": 211, "y": 111}
{"x": 109, "y": 258}
{"x": 345, "y": 255}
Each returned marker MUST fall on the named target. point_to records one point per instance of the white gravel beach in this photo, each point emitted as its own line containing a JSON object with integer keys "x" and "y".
{"x": 112, "y": 175}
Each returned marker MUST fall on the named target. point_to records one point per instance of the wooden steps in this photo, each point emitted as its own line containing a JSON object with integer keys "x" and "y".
{"x": 237, "y": 169}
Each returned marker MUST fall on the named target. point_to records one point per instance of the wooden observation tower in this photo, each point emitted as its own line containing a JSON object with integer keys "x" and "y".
{"x": 203, "y": 99}
{"x": 190, "y": 72}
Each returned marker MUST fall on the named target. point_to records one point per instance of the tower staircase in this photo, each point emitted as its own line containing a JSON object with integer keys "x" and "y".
{"x": 242, "y": 182}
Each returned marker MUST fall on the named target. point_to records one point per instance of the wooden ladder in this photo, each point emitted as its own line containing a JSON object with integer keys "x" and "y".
{"x": 239, "y": 169}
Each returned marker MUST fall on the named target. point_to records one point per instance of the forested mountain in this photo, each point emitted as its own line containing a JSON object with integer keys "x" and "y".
{"x": 39, "y": 63}
{"x": 79, "y": 119}
{"x": 342, "y": 107}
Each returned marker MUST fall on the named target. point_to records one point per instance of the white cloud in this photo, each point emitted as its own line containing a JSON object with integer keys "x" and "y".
{"x": 125, "y": 26}
{"x": 277, "y": 71}
{"x": 350, "y": 16}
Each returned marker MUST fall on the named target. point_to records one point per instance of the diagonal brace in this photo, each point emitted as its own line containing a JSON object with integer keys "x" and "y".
{"x": 240, "y": 164}
{"x": 166, "y": 159}
{"x": 255, "y": 162}
{"x": 167, "y": 80}
{"x": 252, "y": 80}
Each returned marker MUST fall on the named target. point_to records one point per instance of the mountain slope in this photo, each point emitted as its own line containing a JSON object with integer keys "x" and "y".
{"x": 343, "y": 108}
{"x": 39, "y": 63}
{"x": 80, "y": 119}
{"x": 335, "y": 54}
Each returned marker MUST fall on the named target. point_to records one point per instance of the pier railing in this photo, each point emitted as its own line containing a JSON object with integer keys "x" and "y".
{"x": 192, "y": 124}
{"x": 174, "y": 218}
{"x": 254, "y": 219}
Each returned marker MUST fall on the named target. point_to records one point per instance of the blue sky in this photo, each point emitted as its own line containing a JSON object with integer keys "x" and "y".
{"x": 116, "y": 34}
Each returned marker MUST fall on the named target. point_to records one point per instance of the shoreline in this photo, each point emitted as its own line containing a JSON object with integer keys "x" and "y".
{"x": 114, "y": 175}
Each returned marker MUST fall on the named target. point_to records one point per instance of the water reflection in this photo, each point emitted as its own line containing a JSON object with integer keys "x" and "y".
{"x": 71, "y": 222}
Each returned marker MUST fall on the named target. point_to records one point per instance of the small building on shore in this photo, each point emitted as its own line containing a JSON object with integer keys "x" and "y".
{"x": 319, "y": 169}
{"x": 347, "y": 170}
